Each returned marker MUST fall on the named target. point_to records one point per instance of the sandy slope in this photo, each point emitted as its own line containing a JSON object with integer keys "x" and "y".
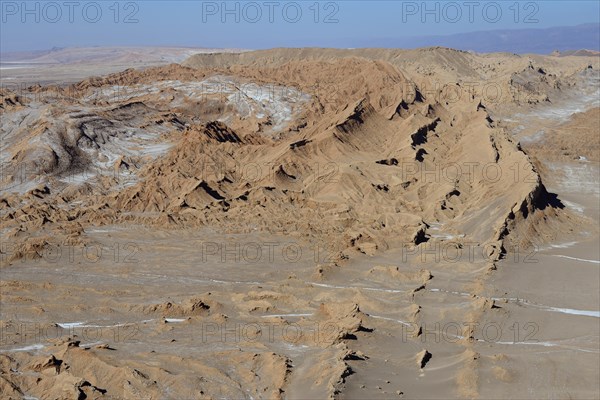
{"x": 303, "y": 223}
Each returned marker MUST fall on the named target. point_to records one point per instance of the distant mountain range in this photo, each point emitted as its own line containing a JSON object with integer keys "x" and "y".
{"x": 540, "y": 41}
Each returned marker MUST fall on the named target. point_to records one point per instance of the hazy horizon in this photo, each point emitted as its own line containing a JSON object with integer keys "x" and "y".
{"x": 38, "y": 26}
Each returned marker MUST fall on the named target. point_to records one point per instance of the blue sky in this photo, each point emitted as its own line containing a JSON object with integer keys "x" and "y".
{"x": 37, "y": 25}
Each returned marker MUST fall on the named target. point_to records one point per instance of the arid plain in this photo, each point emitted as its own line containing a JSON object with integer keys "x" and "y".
{"x": 300, "y": 223}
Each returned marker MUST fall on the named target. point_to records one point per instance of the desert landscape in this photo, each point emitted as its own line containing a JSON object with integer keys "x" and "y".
{"x": 300, "y": 224}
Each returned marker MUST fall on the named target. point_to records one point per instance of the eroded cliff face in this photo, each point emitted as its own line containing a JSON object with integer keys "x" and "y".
{"x": 351, "y": 143}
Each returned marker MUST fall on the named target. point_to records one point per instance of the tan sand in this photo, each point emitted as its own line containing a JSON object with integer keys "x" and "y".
{"x": 308, "y": 223}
